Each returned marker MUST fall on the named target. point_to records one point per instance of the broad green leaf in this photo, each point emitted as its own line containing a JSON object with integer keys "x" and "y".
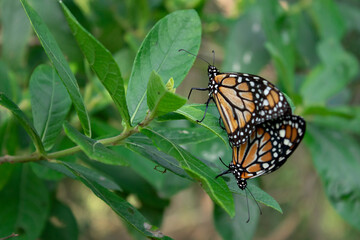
{"x": 89, "y": 173}
{"x": 15, "y": 33}
{"x": 121, "y": 207}
{"x": 92, "y": 148}
{"x": 50, "y": 103}
{"x": 232, "y": 228}
{"x": 245, "y": 46}
{"x": 159, "y": 100}
{"x": 57, "y": 58}
{"x": 328, "y": 19}
{"x": 216, "y": 189}
{"x": 338, "y": 68}
{"x": 102, "y": 63}
{"x": 159, "y": 52}
{"x": 164, "y": 160}
{"x": 186, "y": 135}
{"x": 336, "y": 159}
{"x": 61, "y": 223}
{"x": 24, "y": 121}
{"x": 24, "y": 204}
{"x": 193, "y": 112}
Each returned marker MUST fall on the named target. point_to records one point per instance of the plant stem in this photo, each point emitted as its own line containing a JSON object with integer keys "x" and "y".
{"x": 36, "y": 156}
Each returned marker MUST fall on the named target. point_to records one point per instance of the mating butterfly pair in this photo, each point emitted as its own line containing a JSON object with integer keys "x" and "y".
{"x": 257, "y": 117}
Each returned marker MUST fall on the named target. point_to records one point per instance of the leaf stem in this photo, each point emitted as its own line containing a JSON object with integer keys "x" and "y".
{"x": 36, "y": 156}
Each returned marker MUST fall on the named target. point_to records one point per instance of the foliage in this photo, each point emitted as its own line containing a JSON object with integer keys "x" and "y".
{"x": 106, "y": 113}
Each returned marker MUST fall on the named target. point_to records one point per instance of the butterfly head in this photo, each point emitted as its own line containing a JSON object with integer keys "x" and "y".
{"x": 212, "y": 71}
{"x": 241, "y": 182}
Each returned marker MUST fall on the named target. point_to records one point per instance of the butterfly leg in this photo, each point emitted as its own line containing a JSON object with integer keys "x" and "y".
{"x": 207, "y": 105}
{"x": 199, "y": 89}
{"x": 222, "y": 126}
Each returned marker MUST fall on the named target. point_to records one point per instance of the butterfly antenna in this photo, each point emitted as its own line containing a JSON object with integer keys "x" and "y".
{"x": 183, "y": 50}
{"x": 255, "y": 201}
{"x": 213, "y": 57}
{"x": 247, "y": 204}
{"x": 223, "y": 162}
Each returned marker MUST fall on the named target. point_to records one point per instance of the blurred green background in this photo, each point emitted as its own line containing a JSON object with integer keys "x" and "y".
{"x": 309, "y": 49}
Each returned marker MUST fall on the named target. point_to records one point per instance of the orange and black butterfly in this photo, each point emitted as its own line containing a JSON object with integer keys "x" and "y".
{"x": 244, "y": 101}
{"x": 267, "y": 148}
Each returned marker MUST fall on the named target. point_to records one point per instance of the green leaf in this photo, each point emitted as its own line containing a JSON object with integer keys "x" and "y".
{"x": 337, "y": 69}
{"x": 92, "y": 148}
{"x": 342, "y": 118}
{"x": 232, "y": 228}
{"x": 102, "y": 63}
{"x": 193, "y": 112}
{"x": 57, "y": 58}
{"x": 61, "y": 223}
{"x": 89, "y": 173}
{"x": 159, "y": 52}
{"x": 121, "y": 207}
{"x": 24, "y": 204}
{"x": 260, "y": 195}
{"x": 336, "y": 159}
{"x": 50, "y": 103}
{"x": 164, "y": 160}
{"x": 24, "y": 121}
{"x": 245, "y": 46}
{"x": 15, "y": 33}
{"x": 186, "y": 135}
{"x": 217, "y": 189}
{"x": 159, "y": 99}
{"x": 165, "y": 183}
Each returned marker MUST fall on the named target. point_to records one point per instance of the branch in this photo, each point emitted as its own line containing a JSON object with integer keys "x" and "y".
{"x": 36, "y": 156}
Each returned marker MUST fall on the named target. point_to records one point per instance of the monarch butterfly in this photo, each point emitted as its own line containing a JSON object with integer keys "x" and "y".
{"x": 267, "y": 149}
{"x": 243, "y": 100}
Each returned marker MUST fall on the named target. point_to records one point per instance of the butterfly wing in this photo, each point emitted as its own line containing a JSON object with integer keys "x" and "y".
{"x": 268, "y": 148}
{"x": 244, "y": 101}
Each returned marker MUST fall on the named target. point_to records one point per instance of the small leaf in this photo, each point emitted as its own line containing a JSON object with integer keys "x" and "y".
{"x": 102, "y": 63}
{"x": 336, "y": 159}
{"x": 62, "y": 67}
{"x": 217, "y": 189}
{"x": 24, "y": 121}
{"x": 50, "y": 103}
{"x": 24, "y": 204}
{"x": 159, "y": 99}
{"x": 194, "y": 112}
{"x": 94, "y": 149}
{"x": 159, "y": 52}
{"x": 121, "y": 207}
